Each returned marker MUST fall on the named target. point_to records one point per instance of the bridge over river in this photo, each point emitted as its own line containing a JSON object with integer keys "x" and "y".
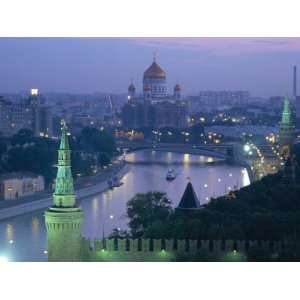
{"x": 222, "y": 152}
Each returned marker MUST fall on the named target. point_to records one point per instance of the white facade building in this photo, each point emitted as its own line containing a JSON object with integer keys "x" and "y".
{"x": 18, "y": 185}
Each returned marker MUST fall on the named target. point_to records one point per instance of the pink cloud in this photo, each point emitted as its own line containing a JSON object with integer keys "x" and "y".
{"x": 225, "y": 46}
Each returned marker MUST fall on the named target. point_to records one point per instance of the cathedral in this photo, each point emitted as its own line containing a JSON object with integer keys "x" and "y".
{"x": 154, "y": 108}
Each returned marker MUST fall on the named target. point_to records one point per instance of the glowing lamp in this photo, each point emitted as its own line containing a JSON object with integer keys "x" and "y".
{"x": 247, "y": 148}
{"x": 34, "y": 92}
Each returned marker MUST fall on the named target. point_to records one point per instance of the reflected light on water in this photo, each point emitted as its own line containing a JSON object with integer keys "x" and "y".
{"x": 245, "y": 177}
{"x": 210, "y": 159}
{"x": 95, "y": 206}
{"x": 186, "y": 158}
{"x": 169, "y": 156}
{"x": 35, "y": 226}
{"x": 9, "y": 232}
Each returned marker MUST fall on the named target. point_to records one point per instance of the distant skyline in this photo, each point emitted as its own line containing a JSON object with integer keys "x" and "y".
{"x": 264, "y": 66}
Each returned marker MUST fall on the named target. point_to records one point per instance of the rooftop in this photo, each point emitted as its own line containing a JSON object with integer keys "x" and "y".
{"x": 189, "y": 198}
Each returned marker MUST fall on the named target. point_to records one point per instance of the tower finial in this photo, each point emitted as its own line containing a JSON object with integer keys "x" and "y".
{"x": 154, "y": 56}
{"x": 63, "y": 123}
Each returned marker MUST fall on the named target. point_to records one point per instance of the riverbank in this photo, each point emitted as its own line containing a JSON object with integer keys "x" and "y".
{"x": 84, "y": 188}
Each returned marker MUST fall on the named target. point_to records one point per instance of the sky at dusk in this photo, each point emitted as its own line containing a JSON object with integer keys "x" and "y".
{"x": 87, "y": 65}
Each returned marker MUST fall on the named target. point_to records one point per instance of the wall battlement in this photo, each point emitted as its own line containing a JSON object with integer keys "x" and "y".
{"x": 168, "y": 250}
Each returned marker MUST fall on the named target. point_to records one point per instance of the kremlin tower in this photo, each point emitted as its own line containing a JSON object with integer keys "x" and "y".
{"x": 286, "y": 131}
{"x": 63, "y": 219}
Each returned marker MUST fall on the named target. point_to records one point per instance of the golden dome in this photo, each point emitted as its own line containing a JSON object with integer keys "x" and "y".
{"x": 155, "y": 71}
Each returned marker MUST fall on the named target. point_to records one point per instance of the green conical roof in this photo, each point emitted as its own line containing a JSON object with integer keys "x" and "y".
{"x": 286, "y": 114}
{"x": 189, "y": 198}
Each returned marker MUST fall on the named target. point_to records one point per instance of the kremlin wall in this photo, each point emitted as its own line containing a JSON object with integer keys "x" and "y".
{"x": 133, "y": 250}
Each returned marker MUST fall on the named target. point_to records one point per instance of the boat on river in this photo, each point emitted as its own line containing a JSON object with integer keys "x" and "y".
{"x": 114, "y": 182}
{"x": 171, "y": 175}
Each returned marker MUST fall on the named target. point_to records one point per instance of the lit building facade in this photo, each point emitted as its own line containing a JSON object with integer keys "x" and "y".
{"x": 17, "y": 185}
{"x": 31, "y": 113}
{"x": 155, "y": 108}
{"x": 224, "y": 97}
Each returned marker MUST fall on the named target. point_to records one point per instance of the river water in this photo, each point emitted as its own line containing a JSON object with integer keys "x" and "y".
{"x": 23, "y": 238}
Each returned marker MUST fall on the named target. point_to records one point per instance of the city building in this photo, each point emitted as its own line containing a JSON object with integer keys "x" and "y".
{"x": 297, "y": 106}
{"x": 155, "y": 108}
{"x": 17, "y": 185}
{"x": 295, "y": 82}
{"x": 42, "y": 122}
{"x": 217, "y": 98}
{"x": 286, "y": 130}
{"x": 31, "y": 113}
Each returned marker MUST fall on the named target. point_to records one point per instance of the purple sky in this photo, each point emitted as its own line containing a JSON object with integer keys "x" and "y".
{"x": 261, "y": 65}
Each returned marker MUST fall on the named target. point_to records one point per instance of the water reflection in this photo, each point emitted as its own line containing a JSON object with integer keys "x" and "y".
{"x": 9, "y": 232}
{"x": 35, "y": 226}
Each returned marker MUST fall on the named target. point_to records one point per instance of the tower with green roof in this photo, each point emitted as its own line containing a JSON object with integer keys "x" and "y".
{"x": 286, "y": 130}
{"x": 63, "y": 219}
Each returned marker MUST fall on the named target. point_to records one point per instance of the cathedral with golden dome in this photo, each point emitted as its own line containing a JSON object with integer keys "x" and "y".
{"x": 154, "y": 107}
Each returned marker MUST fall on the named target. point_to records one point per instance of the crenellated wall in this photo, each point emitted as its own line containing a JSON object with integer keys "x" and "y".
{"x": 171, "y": 250}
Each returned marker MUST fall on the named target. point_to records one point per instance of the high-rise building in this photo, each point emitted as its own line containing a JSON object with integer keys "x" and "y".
{"x": 286, "y": 131}
{"x": 31, "y": 113}
{"x": 42, "y": 120}
{"x": 216, "y": 98}
{"x": 64, "y": 218}
{"x": 131, "y": 93}
{"x": 295, "y": 82}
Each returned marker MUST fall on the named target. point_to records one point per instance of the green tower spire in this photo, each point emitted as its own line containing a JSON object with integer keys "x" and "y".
{"x": 286, "y": 114}
{"x": 64, "y": 189}
{"x": 63, "y": 219}
{"x": 286, "y": 131}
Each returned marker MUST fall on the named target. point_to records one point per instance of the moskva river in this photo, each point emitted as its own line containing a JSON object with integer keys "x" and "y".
{"x": 23, "y": 238}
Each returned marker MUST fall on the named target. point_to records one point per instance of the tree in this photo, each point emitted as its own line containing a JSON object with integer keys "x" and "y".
{"x": 145, "y": 209}
{"x": 22, "y": 137}
{"x": 93, "y": 140}
{"x": 38, "y": 158}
